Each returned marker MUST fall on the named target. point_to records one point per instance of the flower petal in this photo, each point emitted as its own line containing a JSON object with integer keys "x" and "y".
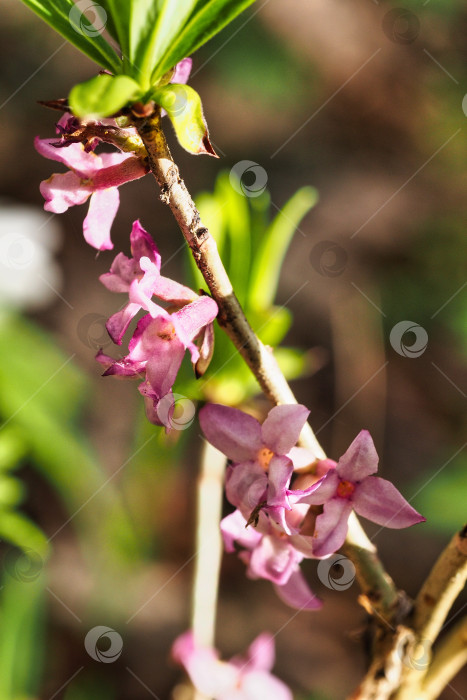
{"x": 283, "y": 426}
{"x": 279, "y": 474}
{"x": 234, "y": 529}
{"x": 320, "y": 492}
{"x": 142, "y": 245}
{"x": 102, "y": 210}
{"x": 63, "y": 190}
{"x": 379, "y": 501}
{"x": 73, "y": 156}
{"x": 121, "y": 274}
{"x": 297, "y": 593}
{"x": 245, "y": 486}
{"x": 274, "y": 560}
{"x": 118, "y": 323}
{"x": 182, "y": 71}
{"x": 258, "y": 684}
{"x": 233, "y": 432}
{"x": 360, "y": 460}
{"x": 261, "y": 653}
{"x": 331, "y": 527}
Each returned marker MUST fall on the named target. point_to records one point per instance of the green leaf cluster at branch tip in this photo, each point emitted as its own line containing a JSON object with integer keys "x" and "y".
{"x": 153, "y": 36}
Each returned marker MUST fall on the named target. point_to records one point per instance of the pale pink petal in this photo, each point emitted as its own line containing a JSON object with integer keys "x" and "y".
{"x": 118, "y": 323}
{"x": 245, "y": 486}
{"x": 379, "y": 501}
{"x": 261, "y": 653}
{"x": 297, "y": 593}
{"x": 142, "y": 245}
{"x": 122, "y": 273}
{"x": 234, "y": 529}
{"x": 282, "y": 427}
{"x": 102, "y": 210}
{"x": 73, "y": 156}
{"x": 182, "y": 71}
{"x": 360, "y": 460}
{"x": 319, "y": 492}
{"x": 233, "y": 432}
{"x": 279, "y": 474}
{"x": 273, "y": 559}
{"x": 331, "y": 527}
{"x": 301, "y": 457}
{"x": 258, "y": 684}
{"x": 63, "y": 190}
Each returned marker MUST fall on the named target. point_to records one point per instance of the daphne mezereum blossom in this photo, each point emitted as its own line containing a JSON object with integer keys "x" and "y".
{"x": 140, "y": 278}
{"x": 271, "y": 554}
{"x": 246, "y": 677}
{"x": 156, "y": 351}
{"x": 352, "y": 486}
{"x": 92, "y": 176}
{"x": 261, "y": 455}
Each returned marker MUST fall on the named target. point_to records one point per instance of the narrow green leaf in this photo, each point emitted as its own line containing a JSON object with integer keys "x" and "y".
{"x": 23, "y": 533}
{"x": 183, "y": 106}
{"x": 67, "y": 19}
{"x": 238, "y": 225}
{"x": 22, "y": 637}
{"x": 206, "y": 20}
{"x": 270, "y": 256}
{"x": 167, "y": 20}
{"x": 102, "y": 96}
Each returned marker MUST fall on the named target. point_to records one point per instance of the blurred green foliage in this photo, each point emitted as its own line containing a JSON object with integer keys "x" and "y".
{"x": 252, "y": 248}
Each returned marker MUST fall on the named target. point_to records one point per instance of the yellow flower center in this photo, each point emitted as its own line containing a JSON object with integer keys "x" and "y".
{"x": 345, "y": 489}
{"x": 264, "y": 457}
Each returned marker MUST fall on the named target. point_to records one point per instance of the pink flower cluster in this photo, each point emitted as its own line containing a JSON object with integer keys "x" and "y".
{"x": 242, "y": 678}
{"x": 159, "y": 342}
{"x": 276, "y": 526}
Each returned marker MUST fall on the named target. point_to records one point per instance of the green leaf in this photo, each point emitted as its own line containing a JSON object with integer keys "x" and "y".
{"x": 206, "y": 20}
{"x": 183, "y": 106}
{"x": 23, "y": 533}
{"x": 102, "y": 96}
{"x": 11, "y": 491}
{"x": 68, "y": 20}
{"x": 22, "y": 637}
{"x": 270, "y": 256}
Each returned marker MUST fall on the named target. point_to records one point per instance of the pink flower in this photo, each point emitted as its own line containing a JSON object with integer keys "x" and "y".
{"x": 271, "y": 555}
{"x": 140, "y": 278}
{"x": 351, "y": 486}
{"x": 261, "y": 454}
{"x": 90, "y": 176}
{"x": 156, "y": 352}
{"x": 241, "y": 678}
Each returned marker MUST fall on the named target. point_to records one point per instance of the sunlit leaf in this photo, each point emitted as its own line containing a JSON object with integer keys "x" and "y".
{"x": 270, "y": 256}
{"x": 102, "y": 96}
{"x": 183, "y": 107}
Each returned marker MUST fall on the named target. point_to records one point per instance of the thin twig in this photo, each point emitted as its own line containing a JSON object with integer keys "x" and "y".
{"x": 443, "y": 585}
{"x": 448, "y": 660}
